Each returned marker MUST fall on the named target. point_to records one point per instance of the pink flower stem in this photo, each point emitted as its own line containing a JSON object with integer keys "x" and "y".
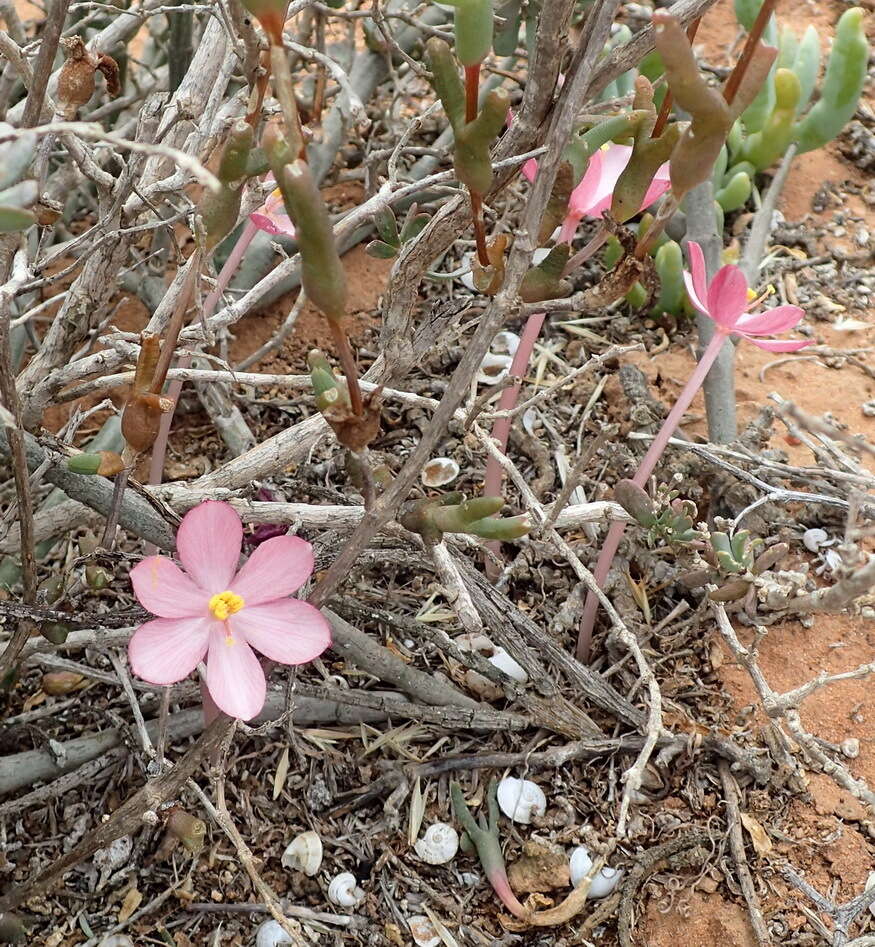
{"x": 507, "y": 402}
{"x": 159, "y": 449}
{"x": 615, "y": 533}
{"x": 599, "y": 239}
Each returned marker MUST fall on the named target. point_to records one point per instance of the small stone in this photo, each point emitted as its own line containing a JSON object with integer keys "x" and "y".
{"x": 708, "y": 885}
{"x": 850, "y": 748}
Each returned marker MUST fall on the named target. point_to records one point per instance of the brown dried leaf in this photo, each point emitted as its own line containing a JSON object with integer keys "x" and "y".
{"x": 129, "y": 905}
{"x": 761, "y": 842}
{"x": 282, "y": 770}
{"x": 542, "y": 867}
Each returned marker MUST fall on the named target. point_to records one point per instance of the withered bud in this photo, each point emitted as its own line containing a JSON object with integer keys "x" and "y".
{"x": 76, "y": 78}
{"x": 96, "y": 578}
{"x": 189, "y": 830}
{"x": 56, "y": 683}
{"x": 142, "y": 418}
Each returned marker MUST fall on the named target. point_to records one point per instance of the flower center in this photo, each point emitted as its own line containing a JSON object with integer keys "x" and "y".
{"x": 225, "y": 604}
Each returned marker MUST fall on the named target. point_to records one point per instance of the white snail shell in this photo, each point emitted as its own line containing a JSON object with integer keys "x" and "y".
{"x": 439, "y": 471}
{"x": 493, "y": 368}
{"x": 579, "y": 864}
{"x": 423, "y": 931}
{"x": 603, "y": 883}
{"x": 304, "y": 853}
{"x": 270, "y": 934}
{"x": 504, "y": 662}
{"x": 506, "y": 343}
{"x": 521, "y": 799}
{"x": 813, "y": 539}
{"x": 439, "y": 844}
{"x": 344, "y": 890}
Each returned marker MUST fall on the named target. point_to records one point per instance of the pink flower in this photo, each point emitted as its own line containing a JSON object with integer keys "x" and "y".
{"x": 219, "y": 613}
{"x": 726, "y": 300}
{"x": 595, "y": 192}
{"x": 272, "y": 216}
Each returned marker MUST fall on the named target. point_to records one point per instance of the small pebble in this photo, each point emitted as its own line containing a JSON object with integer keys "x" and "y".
{"x": 850, "y": 748}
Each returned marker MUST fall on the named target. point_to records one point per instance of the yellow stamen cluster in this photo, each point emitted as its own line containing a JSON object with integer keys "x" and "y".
{"x": 225, "y": 604}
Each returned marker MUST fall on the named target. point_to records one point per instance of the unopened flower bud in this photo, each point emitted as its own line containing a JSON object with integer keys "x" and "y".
{"x": 106, "y": 463}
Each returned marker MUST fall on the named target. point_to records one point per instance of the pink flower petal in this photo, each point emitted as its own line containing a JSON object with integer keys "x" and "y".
{"x": 771, "y": 321}
{"x": 569, "y": 227}
{"x": 530, "y": 169}
{"x": 658, "y": 186}
{"x": 263, "y": 222}
{"x": 588, "y": 191}
{"x": 777, "y": 345}
{"x": 234, "y": 675}
{"x": 727, "y": 296}
{"x": 614, "y": 159}
{"x": 167, "y": 650}
{"x": 165, "y": 590}
{"x": 691, "y": 292}
{"x": 277, "y": 568}
{"x": 697, "y": 286}
{"x": 289, "y": 631}
{"x": 208, "y": 541}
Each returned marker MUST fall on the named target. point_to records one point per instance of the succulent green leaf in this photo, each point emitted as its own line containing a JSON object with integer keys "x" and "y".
{"x": 387, "y": 226}
{"x": 498, "y": 528}
{"x": 473, "y": 29}
{"x": 16, "y": 156}
{"x": 446, "y": 81}
{"x": 504, "y": 39}
{"x": 763, "y": 148}
{"x": 788, "y": 47}
{"x": 735, "y": 193}
{"x": 845, "y": 75}
{"x": 219, "y": 211}
{"x": 23, "y": 194}
{"x": 669, "y": 262}
{"x": 381, "y": 251}
{"x": 544, "y": 281}
{"x": 806, "y": 65}
{"x": 14, "y": 218}
{"x": 257, "y": 163}
{"x": 413, "y": 226}
{"x": 637, "y": 296}
{"x": 322, "y": 272}
{"x": 648, "y": 155}
{"x": 720, "y": 166}
{"x": 235, "y": 157}
{"x": 474, "y": 139}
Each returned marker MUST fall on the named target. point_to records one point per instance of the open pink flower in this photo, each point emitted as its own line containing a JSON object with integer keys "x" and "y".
{"x": 726, "y": 300}
{"x": 216, "y": 612}
{"x": 595, "y": 192}
{"x": 272, "y": 217}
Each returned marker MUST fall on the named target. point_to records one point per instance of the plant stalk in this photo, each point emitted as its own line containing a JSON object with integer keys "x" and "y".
{"x": 646, "y": 468}
{"x": 347, "y": 363}
{"x": 472, "y": 98}
{"x": 159, "y": 449}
